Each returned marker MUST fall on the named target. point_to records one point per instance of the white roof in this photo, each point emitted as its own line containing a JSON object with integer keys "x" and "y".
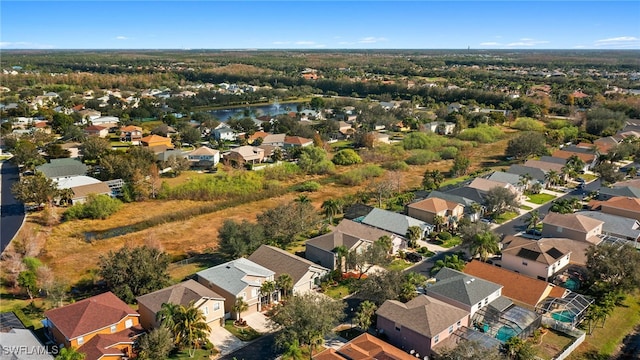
{"x": 73, "y": 181}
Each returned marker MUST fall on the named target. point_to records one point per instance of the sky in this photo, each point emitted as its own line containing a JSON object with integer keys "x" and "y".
{"x": 320, "y": 24}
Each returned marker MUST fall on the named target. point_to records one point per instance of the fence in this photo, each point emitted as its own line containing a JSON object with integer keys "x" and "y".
{"x": 578, "y": 336}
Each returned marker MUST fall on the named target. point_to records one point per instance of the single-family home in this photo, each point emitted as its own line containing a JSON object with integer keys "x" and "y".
{"x": 522, "y": 290}
{"x": 606, "y": 193}
{"x": 240, "y": 278}
{"x": 224, "y": 132}
{"x": 96, "y": 130}
{"x": 106, "y": 120}
{"x": 277, "y": 140}
{"x": 156, "y": 140}
{"x": 485, "y": 185}
{"x": 635, "y": 183}
{"x": 454, "y": 107}
{"x": 395, "y": 223}
{"x": 542, "y": 258}
{"x": 621, "y": 206}
{"x": 572, "y": 226}
{"x": 471, "y": 211}
{"x": 168, "y": 153}
{"x": 322, "y": 249}
{"x": 544, "y": 166}
{"x": 370, "y": 233}
{"x": 210, "y": 304}
{"x": 102, "y": 327}
{"x": 420, "y": 324}
{"x": 365, "y": 346}
{"x": 536, "y": 174}
{"x": 614, "y": 225}
{"x": 88, "y": 115}
{"x": 588, "y": 157}
{"x": 305, "y": 274}
{"x": 427, "y": 209}
{"x": 463, "y": 291}
{"x": 131, "y": 134}
{"x": 296, "y": 141}
{"x": 82, "y": 192}
{"x": 472, "y": 194}
{"x": 204, "y": 157}
{"x": 603, "y": 145}
{"x": 244, "y": 154}
{"x": 514, "y": 179}
{"x": 61, "y": 168}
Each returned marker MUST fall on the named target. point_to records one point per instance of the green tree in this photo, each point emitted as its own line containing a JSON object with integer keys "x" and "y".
{"x": 190, "y": 328}
{"x": 414, "y": 233}
{"x": 390, "y": 285}
{"x": 285, "y": 221}
{"x": 131, "y": 272}
{"x": 470, "y": 350}
{"x": 69, "y": 353}
{"x": 55, "y": 151}
{"x": 167, "y": 315}
{"x": 239, "y": 239}
{"x": 612, "y": 268}
{"x": 94, "y": 148}
{"x": 533, "y": 219}
{"x": 156, "y": 345}
{"x": 432, "y": 179}
{"x": 331, "y": 208}
{"x": 364, "y": 316}
{"x": 313, "y": 160}
{"x": 191, "y": 135}
{"x": 480, "y": 240}
{"x": 499, "y": 200}
{"x": 374, "y": 255}
{"x": 346, "y": 157}
{"x": 239, "y": 307}
{"x": 266, "y": 290}
{"x": 96, "y": 207}
{"x": 306, "y": 317}
{"x": 527, "y": 144}
{"x": 552, "y": 177}
{"x": 460, "y": 166}
{"x": 449, "y": 261}
{"x": 36, "y": 189}
{"x": 518, "y": 349}
{"x": 284, "y": 282}
{"x": 26, "y": 153}
{"x": 438, "y": 221}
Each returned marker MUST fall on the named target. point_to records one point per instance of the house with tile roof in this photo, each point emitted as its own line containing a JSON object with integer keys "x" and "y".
{"x": 588, "y": 156}
{"x": 206, "y": 300}
{"x": 306, "y": 275}
{"x": 296, "y": 141}
{"x": 395, "y": 223}
{"x": 544, "y": 165}
{"x": 276, "y": 140}
{"x": 61, "y": 168}
{"x": 240, "y": 278}
{"x": 468, "y": 204}
{"x": 427, "y": 209}
{"x": 522, "y": 290}
{"x": 131, "y": 134}
{"x": 572, "y": 226}
{"x": 542, "y": 258}
{"x": 420, "y": 324}
{"x": 614, "y": 225}
{"x": 102, "y": 327}
{"x": 621, "y": 206}
{"x": 485, "y": 185}
{"x": 365, "y": 346}
{"x": 96, "y": 130}
{"x": 156, "y": 140}
{"x": 463, "y": 291}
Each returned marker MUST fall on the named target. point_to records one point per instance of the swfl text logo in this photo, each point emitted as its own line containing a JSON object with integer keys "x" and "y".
{"x": 26, "y": 350}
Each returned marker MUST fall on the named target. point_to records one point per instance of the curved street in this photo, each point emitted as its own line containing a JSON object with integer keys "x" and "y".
{"x": 12, "y": 210}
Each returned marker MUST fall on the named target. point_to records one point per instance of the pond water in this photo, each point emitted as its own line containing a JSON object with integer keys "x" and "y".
{"x": 254, "y": 111}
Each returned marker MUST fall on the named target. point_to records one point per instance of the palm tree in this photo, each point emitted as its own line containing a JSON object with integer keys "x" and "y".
{"x": 239, "y": 307}
{"x": 414, "y": 233}
{"x": 477, "y": 210}
{"x": 525, "y": 181}
{"x": 437, "y": 222}
{"x": 484, "y": 244}
{"x": 266, "y": 290}
{"x": 365, "y": 314}
{"x": 632, "y": 172}
{"x": 284, "y": 282}
{"x": 190, "y": 329}
{"x": 451, "y": 262}
{"x": 167, "y": 314}
{"x": 302, "y": 199}
{"x": 331, "y": 208}
{"x": 552, "y": 177}
{"x": 69, "y": 353}
{"x": 341, "y": 252}
{"x": 533, "y": 219}
{"x": 536, "y": 188}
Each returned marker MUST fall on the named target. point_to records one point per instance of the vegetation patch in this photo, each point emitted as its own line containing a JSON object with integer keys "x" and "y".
{"x": 422, "y": 157}
{"x": 399, "y": 265}
{"x": 482, "y": 134}
{"x": 540, "y": 198}
{"x": 307, "y": 186}
{"x": 528, "y": 124}
{"x": 551, "y": 344}
{"x": 525, "y": 207}
{"x": 243, "y": 333}
{"x": 504, "y": 217}
{"x": 214, "y": 187}
{"x": 448, "y": 243}
{"x": 360, "y": 175}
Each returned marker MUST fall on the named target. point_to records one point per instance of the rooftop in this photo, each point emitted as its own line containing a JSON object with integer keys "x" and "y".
{"x": 461, "y": 287}
{"x": 231, "y": 276}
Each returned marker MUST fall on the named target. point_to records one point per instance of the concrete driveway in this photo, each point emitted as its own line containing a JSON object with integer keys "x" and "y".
{"x": 224, "y": 341}
{"x": 259, "y": 322}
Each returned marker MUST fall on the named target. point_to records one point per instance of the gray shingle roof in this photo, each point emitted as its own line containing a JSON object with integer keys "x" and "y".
{"x": 230, "y": 276}
{"x": 423, "y": 314}
{"x": 393, "y": 222}
{"x": 361, "y": 231}
{"x": 626, "y": 191}
{"x": 553, "y": 159}
{"x": 451, "y": 197}
{"x": 505, "y": 177}
{"x": 332, "y": 240}
{"x": 21, "y": 344}
{"x": 461, "y": 287}
{"x": 282, "y": 262}
{"x": 614, "y": 224}
{"x": 63, "y": 167}
{"x": 179, "y": 294}
{"x": 535, "y": 173}
{"x": 469, "y": 193}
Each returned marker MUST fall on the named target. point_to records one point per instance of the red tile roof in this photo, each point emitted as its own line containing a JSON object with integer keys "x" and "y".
{"x": 89, "y": 315}
{"x": 103, "y": 344}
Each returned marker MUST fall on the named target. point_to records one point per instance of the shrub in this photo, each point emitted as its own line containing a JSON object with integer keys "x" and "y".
{"x": 217, "y": 186}
{"x": 558, "y": 124}
{"x": 422, "y": 157}
{"x": 281, "y": 171}
{"x": 483, "y": 134}
{"x": 527, "y": 124}
{"x": 444, "y": 235}
{"x": 307, "y": 186}
{"x": 449, "y": 152}
{"x": 417, "y": 140}
{"x": 396, "y": 166}
{"x": 96, "y": 207}
{"x": 346, "y": 157}
{"x": 360, "y": 175}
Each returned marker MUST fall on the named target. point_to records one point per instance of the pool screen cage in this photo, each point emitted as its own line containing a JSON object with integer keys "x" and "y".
{"x": 514, "y": 320}
{"x": 572, "y": 308}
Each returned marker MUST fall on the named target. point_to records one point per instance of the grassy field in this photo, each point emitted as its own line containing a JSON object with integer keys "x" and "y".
{"x": 540, "y": 198}
{"x": 454, "y": 241}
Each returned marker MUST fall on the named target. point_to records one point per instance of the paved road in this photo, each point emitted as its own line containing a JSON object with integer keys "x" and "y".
{"x": 262, "y": 349}
{"x": 12, "y": 211}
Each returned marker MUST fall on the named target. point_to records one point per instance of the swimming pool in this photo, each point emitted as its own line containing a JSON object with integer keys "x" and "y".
{"x": 505, "y": 333}
{"x": 564, "y": 316}
{"x": 572, "y": 284}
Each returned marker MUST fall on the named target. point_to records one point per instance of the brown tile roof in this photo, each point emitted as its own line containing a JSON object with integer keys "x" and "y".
{"x": 434, "y": 205}
{"x": 563, "y": 154}
{"x": 130, "y": 128}
{"x": 632, "y": 183}
{"x": 618, "y": 202}
{"x": 89, "y": 315}
{"x": 181, "y": 294}
{"x": 204, "y": 150}
{"x": 540, "y": 251}
{"x": 282, "y": 262}
{"x": 571, "y": 221}
{"x": 516, "y": 286}
{"x": 361, "y": 231}
{"x": 577, "y": 249}
{"x": 483, "y": 184}
{"x": 297, "y": 140}
{"x": 365, "y": 347}
{"x": 94, "y": 128}
{"x": 104, "y": 344}
{"x": 423, "y": 314}
{"x": 85, "y": 190}
{"x": 154, "y": 138}
{"x": 257, "y": 134}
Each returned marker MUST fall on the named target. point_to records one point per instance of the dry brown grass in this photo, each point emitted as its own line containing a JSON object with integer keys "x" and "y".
{"x": 72, "y": 257}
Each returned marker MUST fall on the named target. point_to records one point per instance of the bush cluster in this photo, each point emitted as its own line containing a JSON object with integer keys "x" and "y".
{"x": 96, "y": 207}
{"x": 360, "y": 175}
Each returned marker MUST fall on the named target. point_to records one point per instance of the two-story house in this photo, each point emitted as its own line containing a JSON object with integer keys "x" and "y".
{"x": 428, "y": 209}
{"x": 572, "y": 226}
{"x": 542, "y": 258}
{"x": 131, "y": 133}
{"x": 204, "y": 299}
{"x": 102, "y": 327}
{"x": 622, "y": 206}
{"x": 204, "y": 157}
{"x": 240, "y": 278}
{"x": 463, "y": 291}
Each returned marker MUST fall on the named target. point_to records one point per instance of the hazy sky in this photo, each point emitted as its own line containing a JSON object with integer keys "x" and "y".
{"x": 320, "y": 24}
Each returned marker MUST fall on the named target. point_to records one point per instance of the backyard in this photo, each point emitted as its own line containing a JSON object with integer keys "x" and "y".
{"x": 551, "y": 344}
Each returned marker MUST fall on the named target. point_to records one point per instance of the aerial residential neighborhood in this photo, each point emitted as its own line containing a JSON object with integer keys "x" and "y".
{"x": 300, "y": 203}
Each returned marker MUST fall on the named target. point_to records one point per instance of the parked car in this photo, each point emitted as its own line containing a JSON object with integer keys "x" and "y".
{"x": 413, "y": 257}
{"x": 534, "y": 232}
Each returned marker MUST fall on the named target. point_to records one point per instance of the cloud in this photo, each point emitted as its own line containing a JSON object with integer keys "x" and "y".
{"x": 490, "y": 43}
{"x": 120, "y": 37}
{"x": 624, "y": 42}
{"x": 617, "y": 40}
{"x": 24, "y": 45}
{"x": 527, "y": 42}
{"x": 371, "y": 40}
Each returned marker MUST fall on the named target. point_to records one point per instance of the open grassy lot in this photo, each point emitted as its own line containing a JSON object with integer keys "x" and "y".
{"x": 540, "y": 198}
{"x": 454, "y": 241}
{"x": 552, "y": 342}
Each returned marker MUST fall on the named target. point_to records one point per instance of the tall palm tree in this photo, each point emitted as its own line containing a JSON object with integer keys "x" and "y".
{"x": 285, "y": 283}
{"x": 632, "y": 172}
{"x": 477, "y": 210}
{"x": 414, "y": 233}
{"x": 341, "y": 252}
{"x": 438, "y": 221}
{"x": 533, "y": 220}
{"x": 190, "y": 329}
{"x": 525, "y": 181}
{"x": 484, "y": 244}
{"x": 266, "y": 290}
{"x": 331, "y": 208}
{"x": 239, "y": 307}
{"x": 167, "y": 314}
{"x": 451, "y": 262}
{"x": 552, "y": 177}
{"x": 365, "y": 314}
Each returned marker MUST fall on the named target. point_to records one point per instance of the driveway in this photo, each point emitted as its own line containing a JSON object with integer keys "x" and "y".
{"x": 224, "y": 341}
{"x": 259, "y": 322}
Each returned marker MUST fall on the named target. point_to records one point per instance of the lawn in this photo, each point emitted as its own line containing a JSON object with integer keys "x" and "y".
{"x": 605, "y": 340}
{"x": 552, "y": 344}
{"x": 525, "y": 207}
{"x": 540, "y": 198}
{"x": 454, "y": 241}
{"x": 245, "y": 334}
{"x": 337, "y": 292}
{"x": 30, "y": 313}
{"x": 454, "y": 181}
{"x": 398, "y": 264}
{"x": 587, "y": 177}
{"x": 505, "y": 217}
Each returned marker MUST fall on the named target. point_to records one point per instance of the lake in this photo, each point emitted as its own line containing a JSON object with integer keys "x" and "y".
{"x": 254, "y": 111}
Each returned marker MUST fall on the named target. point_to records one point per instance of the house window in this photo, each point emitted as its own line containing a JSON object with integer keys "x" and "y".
{"x": 80, "y": 340}
{"x": 524, "y": 263}
{"x": 205, "y": 310}
{"x": 436, "y": 339}
{"x": 559, "y": 229}
{"x": 128, "y": 323}
{"x": 459, "y": 323}
{"x": 254, "y": 293}
{"x": 113, "y": 329}
{"x": 450, "y": 329}
{"x": 216, "y": 306}
{"x": 244, "y": 295}
{"x": 486, "y": 301}
{"x": 397, "y": 328}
